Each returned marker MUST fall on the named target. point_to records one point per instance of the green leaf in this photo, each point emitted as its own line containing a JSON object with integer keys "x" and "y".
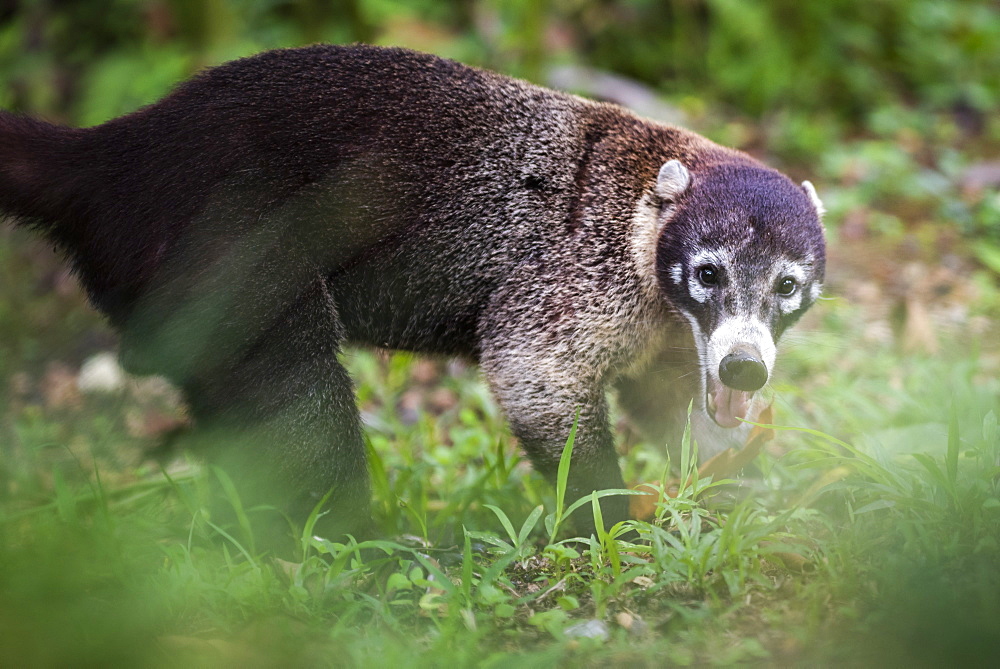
{"x": 953, "y": 445}
{"x": 440, "y": 580}
{"x": 495, "y": 570}
{"x": 231, "y": 539}
{"x": 689, "y": 453}
{"x": 310, "y": 525}
{"x": 932, "y": 467}
{"x": 568, "y": 603}
{"x": 595, "y": 507}
{"x": 875, "y": 506}
{"x": 562, "y": 479}
{"x": 600, "y": 493}
{"x": 505, "y": 521}
{"x": 233, "y": 497}
{"x": 490, "y": 538}
{"x": 562, "y": 475}
{"x": 504, "y": 611}
{"x": 990, "y": 433}
{"x": 467, "y": 569}
{"x": 529, "y": 524}
{"x": 988, "y": 254}
{"x": 398, "y": 581}
{"x": 380, "y": 478}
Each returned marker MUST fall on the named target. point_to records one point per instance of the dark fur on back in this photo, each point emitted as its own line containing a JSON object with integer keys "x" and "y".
{"x": 243, "y": 229}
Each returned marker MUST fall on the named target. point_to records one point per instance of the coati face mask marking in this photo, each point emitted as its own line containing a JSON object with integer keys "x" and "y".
{"x": 741, "y": 258}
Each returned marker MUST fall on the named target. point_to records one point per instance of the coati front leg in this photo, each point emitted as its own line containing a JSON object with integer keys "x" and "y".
{"x": 283, "y": 420}
{"x": 656, "y": 400}
{"x": 541, "y": 379}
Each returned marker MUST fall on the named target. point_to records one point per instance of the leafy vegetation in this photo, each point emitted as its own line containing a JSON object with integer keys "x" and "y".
{"x": 868, "y": 533}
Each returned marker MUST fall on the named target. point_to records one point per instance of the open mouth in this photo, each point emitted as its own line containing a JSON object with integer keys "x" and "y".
{"x": 727, "y": 406}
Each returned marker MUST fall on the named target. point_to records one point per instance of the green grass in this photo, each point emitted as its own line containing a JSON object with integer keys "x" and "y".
{"x": 881, "y": 547}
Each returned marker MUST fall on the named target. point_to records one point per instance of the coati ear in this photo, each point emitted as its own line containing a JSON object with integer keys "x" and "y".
{"x": 814, "y": 198}
{"x": 672, "y": 181}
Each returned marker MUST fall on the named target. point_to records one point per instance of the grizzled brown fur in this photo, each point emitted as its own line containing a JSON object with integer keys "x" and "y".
{"x": 243, "y": 230}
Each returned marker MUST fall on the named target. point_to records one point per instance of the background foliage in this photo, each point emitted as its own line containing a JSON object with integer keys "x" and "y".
{"x": 881, "y": 547}
{"x": 87, "y": 61}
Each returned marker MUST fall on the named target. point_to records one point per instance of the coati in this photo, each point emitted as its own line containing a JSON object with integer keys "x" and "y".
{"x": 270, "y": 211}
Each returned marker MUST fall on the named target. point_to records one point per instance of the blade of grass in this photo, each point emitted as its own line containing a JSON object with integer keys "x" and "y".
{"x": 505, "y": 521}
{"x": 237, "y": 544}
{"x": 467, "y": 569}
{"x": 562, "y": 478}
{"x": 528, "y": 525}
{"x": 310, "y": 524}
{"x": 233, "y": 497}
{"x": 951, "y": 461}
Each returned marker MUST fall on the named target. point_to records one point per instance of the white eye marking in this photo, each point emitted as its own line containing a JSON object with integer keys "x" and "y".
{"x": 815, "y": 290}
{"x": 676, "y": 273}
{"x": 797, "y": 271}
{"x": 699, "y": 291}
{"x": 791, "y": 303}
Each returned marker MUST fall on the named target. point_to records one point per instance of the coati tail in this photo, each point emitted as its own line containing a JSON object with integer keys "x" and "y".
{"x": 36, "y": 168}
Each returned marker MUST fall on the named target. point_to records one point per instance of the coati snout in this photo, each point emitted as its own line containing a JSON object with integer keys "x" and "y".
{"x": 243, "y": 230}
{"x": 743, "y": 371}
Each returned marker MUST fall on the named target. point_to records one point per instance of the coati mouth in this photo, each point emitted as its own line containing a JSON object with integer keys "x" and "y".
{"x": 727, "y": 406}
{"x": 728, "y": 396}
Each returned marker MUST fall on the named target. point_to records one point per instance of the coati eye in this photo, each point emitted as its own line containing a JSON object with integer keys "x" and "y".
{"x": 708, "y": 275}
{"x": 787, "y": 286}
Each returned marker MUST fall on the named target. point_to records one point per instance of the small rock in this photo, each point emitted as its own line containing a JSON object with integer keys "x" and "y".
{"x": 408, "y": 408}
{"x": 101, "y": 373}
{"x": 425, "y": 372}
{"x": 615, "y": 88}
{"x": 590, "y": 629}
{"x": 643, "y": 581}
{"x": 981, "y": 176}
{"x": 59, "y": 387}
{"x": 635, "y": 625}
{"x": 443, "y": 399}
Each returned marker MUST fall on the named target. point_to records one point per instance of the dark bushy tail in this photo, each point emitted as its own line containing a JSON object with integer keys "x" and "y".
{"x": 36, "y": 170}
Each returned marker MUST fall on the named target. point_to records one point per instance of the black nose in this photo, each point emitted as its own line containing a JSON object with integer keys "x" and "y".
{"x": 742, "y": 371}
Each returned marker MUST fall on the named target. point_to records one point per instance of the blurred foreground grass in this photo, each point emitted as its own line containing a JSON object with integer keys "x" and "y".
{"x": 880, "y": 548}
{"x": 883, "y": 550}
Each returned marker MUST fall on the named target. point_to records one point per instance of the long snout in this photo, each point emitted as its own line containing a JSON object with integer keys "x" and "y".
{"x": 739, "y": 357}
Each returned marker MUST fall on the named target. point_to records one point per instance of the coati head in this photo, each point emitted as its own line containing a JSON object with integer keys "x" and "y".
{"x": 741, "y": 257}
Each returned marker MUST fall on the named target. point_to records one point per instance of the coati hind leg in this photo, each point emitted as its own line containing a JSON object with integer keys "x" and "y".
{"x": 283, "y": 421}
